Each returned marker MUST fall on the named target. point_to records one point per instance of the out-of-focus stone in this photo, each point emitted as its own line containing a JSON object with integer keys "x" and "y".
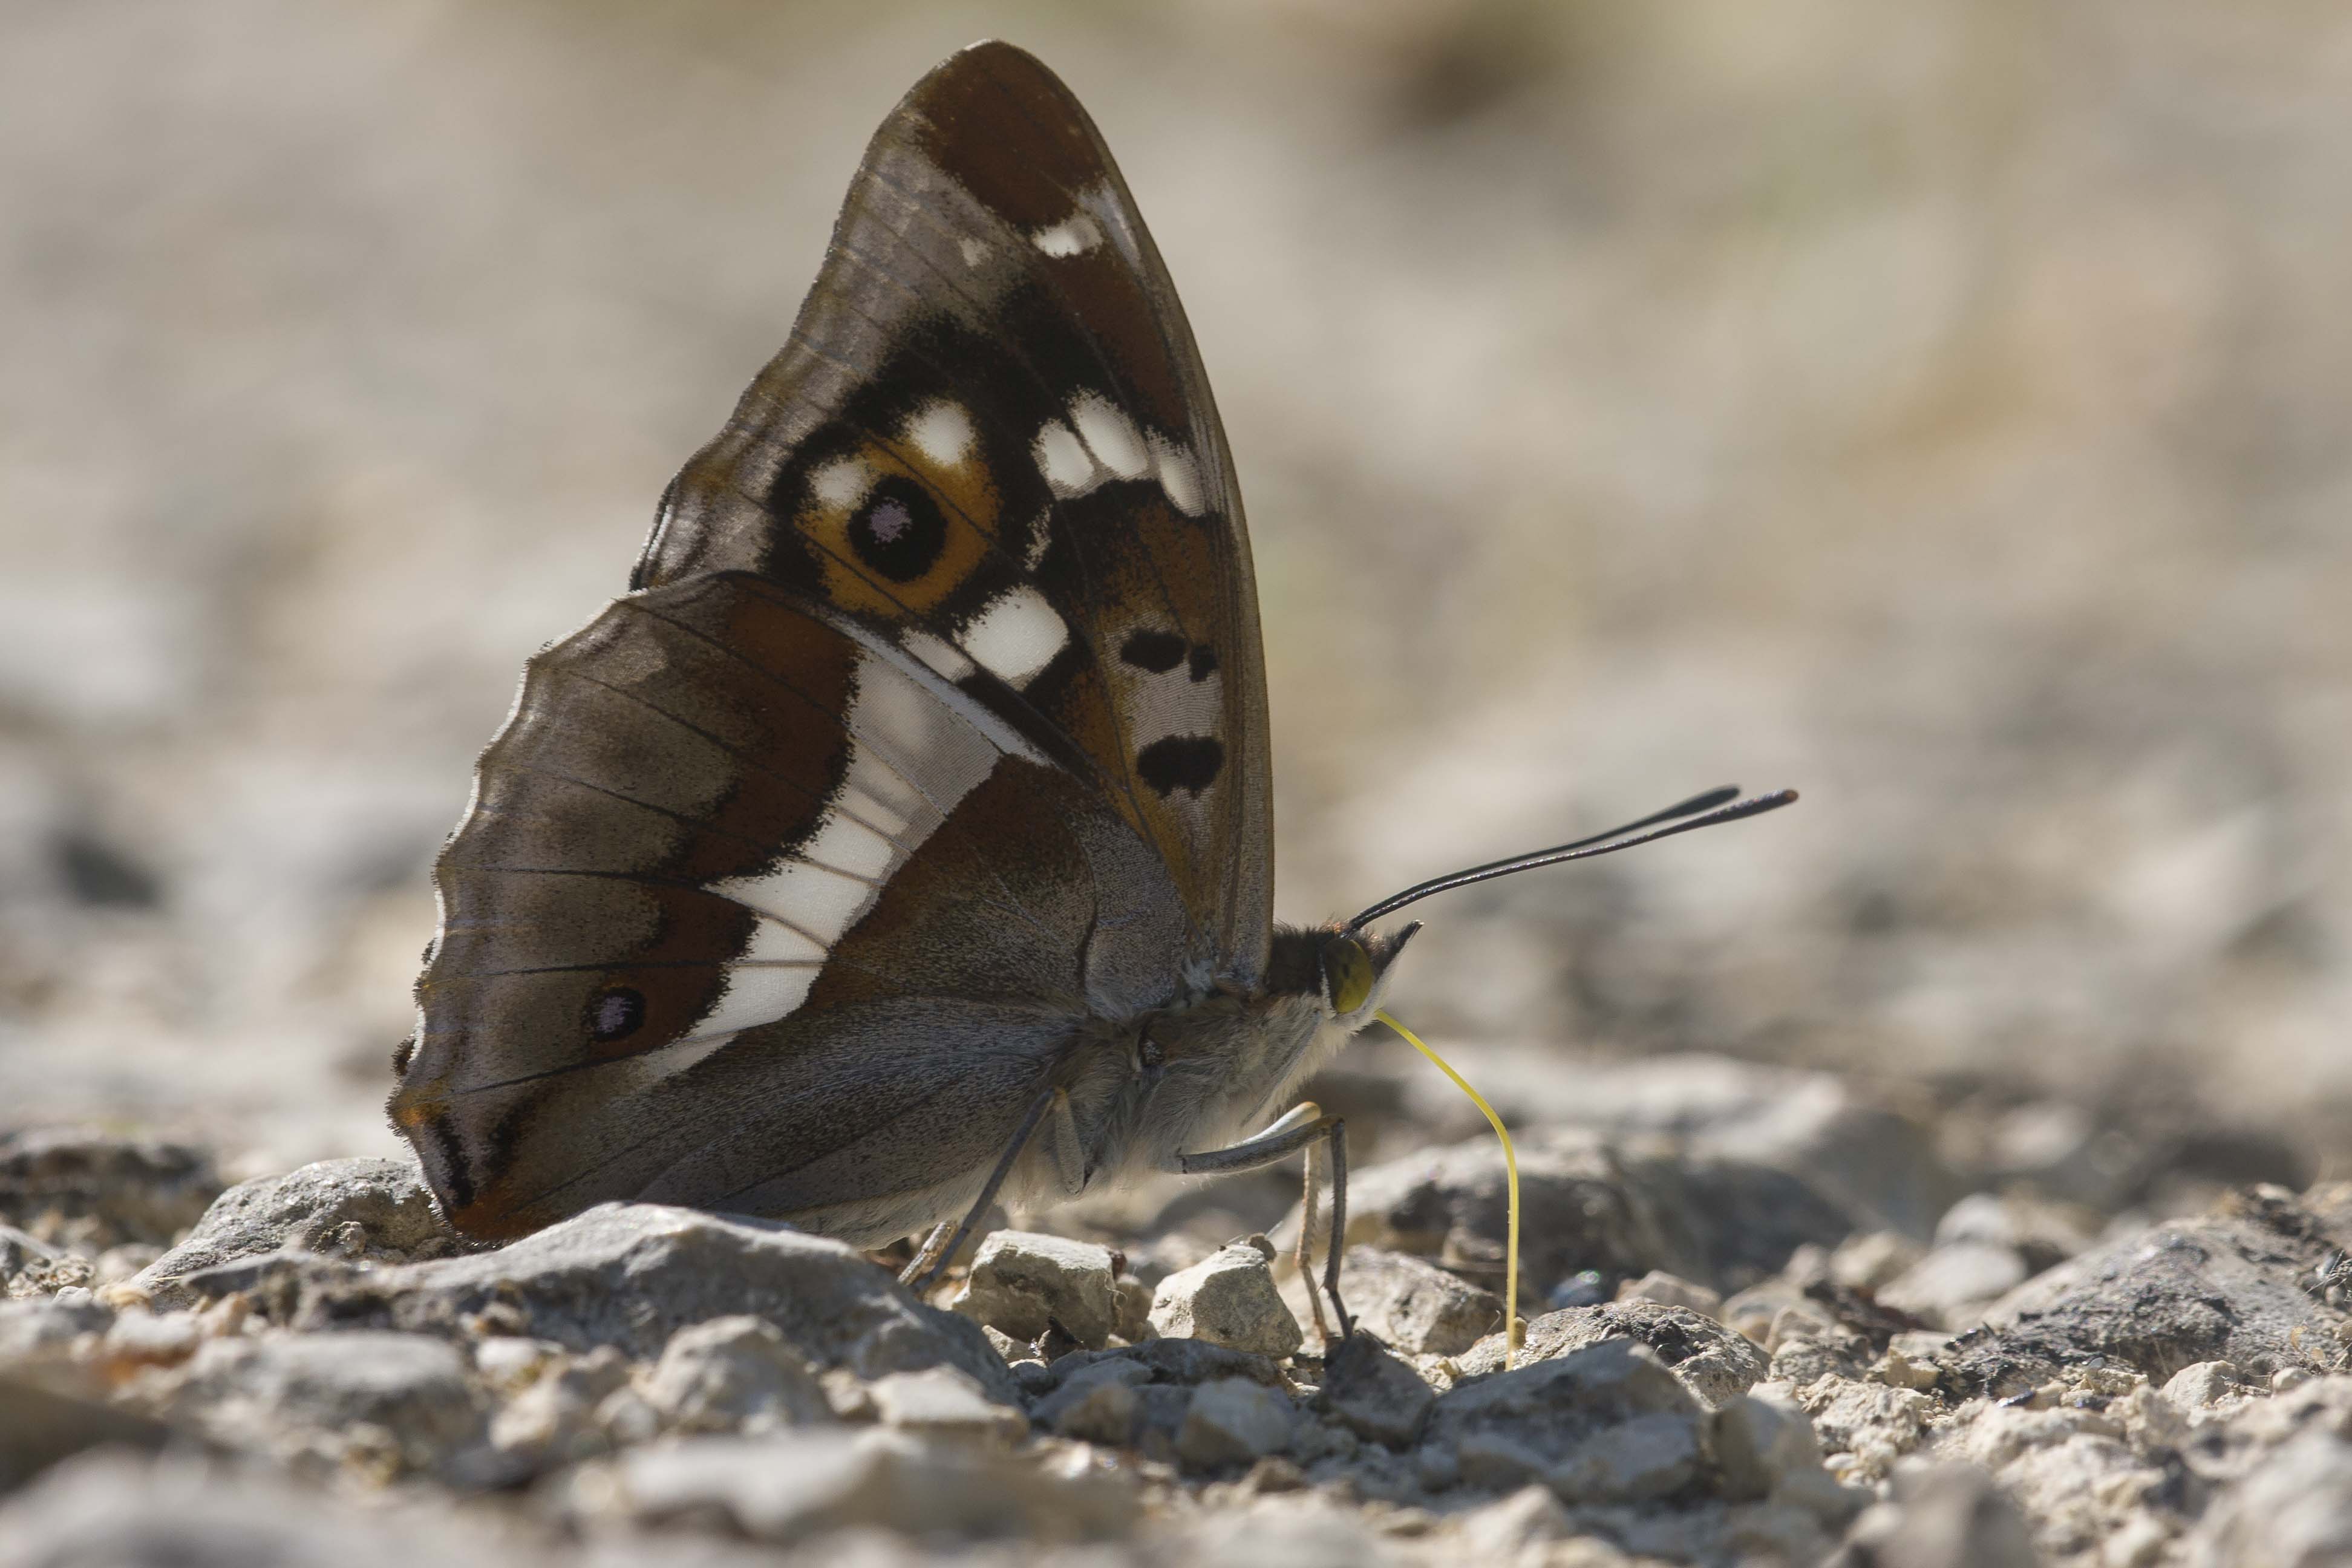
{"x": 351, "y": 1209}
{"x": 734, "y": 1375}
{"x": 20, "y": 1250}
{"x": 1022, "y": 1282}
{"x": 1672, "y": 1290}
{"x": 116, "y": 1509}
{"x": 1228, "y": 1298}
{"x": 1955, "y": 1285}
{"x": 1942, "y": 1516}
{"x": 941, "y": 1402}
{"x": 2041, "y": 1233}
{"x": 1759, "y": 1442}
{"x": 1876, "y": 1423}
{"x": 1232, "y": 1421}
{"x": 280, "y": 1393}
{"x": 630, "y": 1275}
{"x": 1415, "y": 1306}
{"x": 791, "y": 1485}
{"x": 37, "y": 1428}
{"x": 87, "y": 1191}
{"x": 1714, "y": 1362}
{"x": 1373, "y": 1393}
{"x": 552, "y": 1421}
{"x": 1869, "y": 1262}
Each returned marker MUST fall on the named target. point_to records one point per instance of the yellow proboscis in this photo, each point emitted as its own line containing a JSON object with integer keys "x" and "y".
{"x": 1516, "y": 1332}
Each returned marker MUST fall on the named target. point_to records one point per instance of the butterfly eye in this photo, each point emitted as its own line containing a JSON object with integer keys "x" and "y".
{"x": 1347, "y": 973}
{"x": 616, "y": 1013}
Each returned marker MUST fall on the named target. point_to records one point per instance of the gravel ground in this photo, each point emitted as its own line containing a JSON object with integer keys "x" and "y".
{"x": 1936, "y": 408}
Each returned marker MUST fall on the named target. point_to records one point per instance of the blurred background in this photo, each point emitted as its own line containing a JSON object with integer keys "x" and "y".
{"x": 1938, "y": 408}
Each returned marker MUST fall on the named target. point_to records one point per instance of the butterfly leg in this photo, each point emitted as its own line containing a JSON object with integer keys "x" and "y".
{"x": 1064, "y": 1142}
{"x": 1296, "y": 1129}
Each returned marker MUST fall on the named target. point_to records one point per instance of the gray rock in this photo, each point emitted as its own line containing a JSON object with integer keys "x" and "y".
{"x": 734, "y": 1375}
{"x": 2226, "y": 1287}
{"x": 282, "y": 1393}
{"x": 2041, "y": 1233}
{"x": 1022, "y": 1282}
{"x": 553, "y": 1419}
{"x": 942, "y": 1402}
{"x": 1097, "y": 1410}
{"x": 1954, "y": 1286}
{"x": 1416, "y": 1306}
{"x": 1232, "y": 1421}
{"x": 1373, "y": 1393}
{"x": 338, "y": 1208}
{"x": 786, "y": 1488}
{"x": 1942, "y": 1516}
{"x": 1228, "y": 1298}
{"x": 630, "y": 1275}
{"x": 1176, "y": 1362}
{"x": 1877, "y": 1423}
{"x": 39, "y": 1427}
{"x": 90, "y": 1191}
{"x": 1554, "y": 1421}
{"x": 1715, "y": 1363}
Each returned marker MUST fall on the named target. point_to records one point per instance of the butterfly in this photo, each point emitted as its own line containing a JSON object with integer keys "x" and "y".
{"x": 901, "y": 839}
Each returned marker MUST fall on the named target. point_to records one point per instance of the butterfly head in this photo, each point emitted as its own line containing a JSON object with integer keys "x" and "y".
{"x": 1350, "y": 970}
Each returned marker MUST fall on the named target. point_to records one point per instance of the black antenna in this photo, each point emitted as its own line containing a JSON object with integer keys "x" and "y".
{"x": 1711, "y": 804}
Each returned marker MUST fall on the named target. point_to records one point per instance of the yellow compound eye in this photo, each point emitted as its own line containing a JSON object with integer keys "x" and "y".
{"x": 1347, "y": 973}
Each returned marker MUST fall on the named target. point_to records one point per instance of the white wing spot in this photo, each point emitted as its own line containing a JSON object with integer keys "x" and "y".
{"x": 1110, "y": 435}
{"x": 1016, "y": 635}
{"x": 843, "y": 483}
{"x": 944, "y": 657}
{"x": 1063, "y": 459}
{"x": 1180, "y": 477}
{"x": 974, "y": 251}
{"x": 940, "y": 431}
{"x": 1074, "y": 236}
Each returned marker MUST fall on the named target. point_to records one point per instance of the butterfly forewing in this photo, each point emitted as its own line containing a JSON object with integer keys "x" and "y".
{"x": 989, "y": 436}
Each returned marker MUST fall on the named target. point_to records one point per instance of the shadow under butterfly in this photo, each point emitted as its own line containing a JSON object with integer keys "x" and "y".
{"x": 901, "y": 840}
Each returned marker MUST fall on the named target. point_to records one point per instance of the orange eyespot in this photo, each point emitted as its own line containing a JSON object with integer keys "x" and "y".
{"x": 1347, "y": 973}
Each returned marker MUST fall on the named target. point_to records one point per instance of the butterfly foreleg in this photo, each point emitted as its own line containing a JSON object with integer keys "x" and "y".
{"x": 1301, "y": 1127}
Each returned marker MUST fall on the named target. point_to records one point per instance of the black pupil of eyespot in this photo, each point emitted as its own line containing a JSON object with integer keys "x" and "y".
{"x": 898, "y": 532}
{"x": 618, "y": 1014}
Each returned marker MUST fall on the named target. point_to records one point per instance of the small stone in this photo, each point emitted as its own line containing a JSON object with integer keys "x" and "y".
{"x": 1415, "y": 1306}
{"x": 734, "y": 1375}
{"x": 1023, "y": 1282}
{"x": 1716, "y": 1364}
{"x": 939, "y": 1401}
{"x": 1372, "y": 1393}
{"x": 1672, "y": 1290}
{"x": 1232, "y": 1421}
{"x": 1507, "y": 1531}
{"x": 86, "y": 1192}
{"x": 20, "y": 1250}
{"x": 2287, "y": 1379}
{"x": 2202, "y": 1385}
{"x": 149, "y": 1338}
{"x": 1511, "y": 1428}
{"x": 1227, "y": 1299}
{"x": 1759, "y": 1442}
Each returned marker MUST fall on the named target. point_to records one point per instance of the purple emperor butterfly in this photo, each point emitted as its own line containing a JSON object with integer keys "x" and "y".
{"x": 902, "y": 837}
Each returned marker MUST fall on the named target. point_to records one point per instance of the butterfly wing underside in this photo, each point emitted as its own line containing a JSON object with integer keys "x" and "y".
{"x": 934, "y": 724}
